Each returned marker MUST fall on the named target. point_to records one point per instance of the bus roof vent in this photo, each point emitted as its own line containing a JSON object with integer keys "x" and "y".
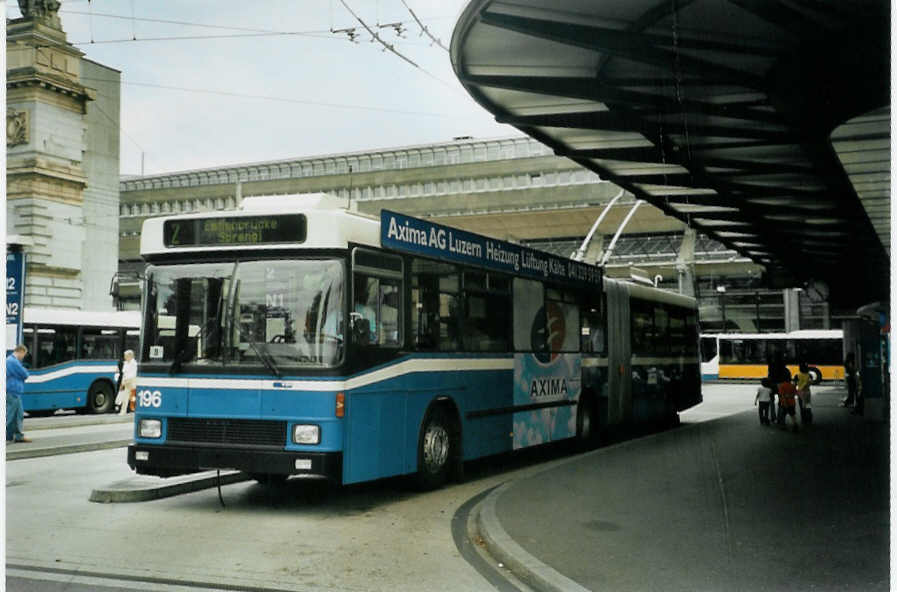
{"x": 304, "y": 201}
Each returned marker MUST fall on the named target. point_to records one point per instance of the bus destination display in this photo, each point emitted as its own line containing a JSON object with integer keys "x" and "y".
{"x": 243, "y": 230}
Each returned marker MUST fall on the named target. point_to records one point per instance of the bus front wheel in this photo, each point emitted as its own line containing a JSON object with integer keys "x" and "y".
{"x": 815, "y": 375}
{"x": 586, "y": 423}
{"x": 434, "y": 450}
{"x": 99, "y": 398}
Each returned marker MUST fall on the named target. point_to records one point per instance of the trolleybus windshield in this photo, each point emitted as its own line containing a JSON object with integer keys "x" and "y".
{"x": 276, "y": 314}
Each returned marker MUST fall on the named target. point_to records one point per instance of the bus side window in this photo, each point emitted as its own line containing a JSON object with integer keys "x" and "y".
{"x": 661, "y": 330}
{"x": 434, "y": 305}
{"x": 691, "y": 334}
{"x": 726, "y": 356}
{"x": 487, "y": 310}
{"x": 529, "y": 316}
{"x": 132, "y": 341}
{"x": 376, "y": 310}
{"x": 593, "y": 336}
{"x": 55, "y": 344}
{"x": 642, "y": 327}
{"x": 677, "y": 332}
{"x": 97, "y": 344}
{"x": 708, "y": 348}
{"x": 565, "y": 314}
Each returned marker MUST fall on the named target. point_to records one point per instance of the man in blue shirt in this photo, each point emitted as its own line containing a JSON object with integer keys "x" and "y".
{"x": 15, "y": 388}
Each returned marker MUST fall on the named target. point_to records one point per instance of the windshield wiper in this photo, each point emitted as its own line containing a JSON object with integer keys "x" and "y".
{"x": 267, "y": 359}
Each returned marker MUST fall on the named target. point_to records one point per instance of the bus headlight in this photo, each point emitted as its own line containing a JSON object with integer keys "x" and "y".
{"x": 150, "y": 428}
{"x": 306, "y": 434}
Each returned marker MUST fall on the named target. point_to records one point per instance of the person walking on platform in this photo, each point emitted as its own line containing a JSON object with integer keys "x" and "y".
{"x": 804, "y": 379}
{"x": 787, "y": 404}
{"x": 764, "y": 395}
{"x": 128, "y": 388}
{"x": 15, "y": 388}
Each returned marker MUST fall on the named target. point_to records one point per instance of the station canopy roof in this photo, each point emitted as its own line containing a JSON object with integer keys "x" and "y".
{"x": 763, "y": 123}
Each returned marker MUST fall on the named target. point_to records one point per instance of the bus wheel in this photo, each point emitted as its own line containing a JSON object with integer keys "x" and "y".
{"x": 99, "y": 398}
{"x": 815, "y": 375}
{"x": 434, "y": 450}
{"x": 586, "y": 424}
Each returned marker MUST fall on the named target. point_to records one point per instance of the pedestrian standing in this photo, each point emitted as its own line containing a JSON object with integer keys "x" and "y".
{"x": 777, "y": 373}
{"x": 128, "y": 389}
{"x": 15, "y": 388}
{"x": 764, "y": 396}
{"x": 804, "y": 379}
{"x": 850, "y": 377}
{"x": 787, "y": 404}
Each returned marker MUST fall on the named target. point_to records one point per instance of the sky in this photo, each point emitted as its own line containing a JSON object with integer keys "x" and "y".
{"x": 236, "y": 92}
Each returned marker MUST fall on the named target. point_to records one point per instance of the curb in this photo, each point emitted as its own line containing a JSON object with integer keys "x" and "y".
{"x": 125, "y": 492}
{"x": 73, "y": 421}
{"x": 23, "y": 453}
{"x": 501, "y": 546}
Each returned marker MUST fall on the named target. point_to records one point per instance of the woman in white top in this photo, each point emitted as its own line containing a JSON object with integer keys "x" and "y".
{"x": 128, "y": 382}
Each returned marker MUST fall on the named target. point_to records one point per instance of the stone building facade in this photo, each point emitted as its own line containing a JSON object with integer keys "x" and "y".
{"x": 62, "y": 147}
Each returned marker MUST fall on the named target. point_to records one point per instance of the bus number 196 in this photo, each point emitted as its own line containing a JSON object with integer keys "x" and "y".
{"x": 150, "y": 398}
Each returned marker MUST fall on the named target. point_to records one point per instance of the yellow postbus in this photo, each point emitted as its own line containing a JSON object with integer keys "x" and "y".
{"x": 747, "y": 355}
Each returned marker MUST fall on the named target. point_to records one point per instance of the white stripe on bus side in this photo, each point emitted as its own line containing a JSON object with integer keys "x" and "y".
{"x": 56, "y": 374}
{"x": 404, "y": 367}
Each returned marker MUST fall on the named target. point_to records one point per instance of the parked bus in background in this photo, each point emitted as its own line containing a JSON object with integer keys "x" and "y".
{"x": 296, "y": 338}
{"x": 746, "y": 356}
{"x": 73, "y": 358}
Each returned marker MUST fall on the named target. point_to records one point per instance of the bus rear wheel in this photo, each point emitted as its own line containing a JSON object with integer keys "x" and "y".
{"x": 99, "y": 398}
{"x": 434, "y": 450}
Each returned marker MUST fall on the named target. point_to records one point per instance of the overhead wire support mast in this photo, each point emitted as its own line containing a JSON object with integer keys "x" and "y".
{"x": 580, "y": 253}
{"x": 613, "y": 242}
{"x": 376, "y": 36}
{"x": 423, "y": 28}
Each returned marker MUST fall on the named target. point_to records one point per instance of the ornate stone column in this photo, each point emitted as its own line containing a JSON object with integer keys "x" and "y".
{"x": 45, "y": 144}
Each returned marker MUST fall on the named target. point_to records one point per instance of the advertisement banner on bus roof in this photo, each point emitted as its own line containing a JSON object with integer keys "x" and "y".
{"x": 413, "y": 235}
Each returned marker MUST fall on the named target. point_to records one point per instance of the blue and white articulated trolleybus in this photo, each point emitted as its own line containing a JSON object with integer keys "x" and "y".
{"x": 74, "y": 356}
{"x": 294, "y": 338}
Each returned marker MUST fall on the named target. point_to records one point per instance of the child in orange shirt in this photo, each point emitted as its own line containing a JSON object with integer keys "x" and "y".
{"x": 787, "y": 403}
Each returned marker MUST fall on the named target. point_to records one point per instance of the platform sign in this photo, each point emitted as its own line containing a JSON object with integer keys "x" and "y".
{"x": 15, "y": 298}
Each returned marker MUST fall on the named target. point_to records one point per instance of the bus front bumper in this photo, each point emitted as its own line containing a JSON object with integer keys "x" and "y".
{"x": 168, "y": 461}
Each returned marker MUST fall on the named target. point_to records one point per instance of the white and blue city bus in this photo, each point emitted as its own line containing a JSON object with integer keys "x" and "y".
{"x": 293, "y": 338}
{"x": 74, "y": 356}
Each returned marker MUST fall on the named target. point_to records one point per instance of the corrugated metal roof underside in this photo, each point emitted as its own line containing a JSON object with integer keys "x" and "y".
{"x": 719, "y": 113}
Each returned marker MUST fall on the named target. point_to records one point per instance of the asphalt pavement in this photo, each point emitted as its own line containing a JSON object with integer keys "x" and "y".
{"x": 726, "y": 504}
